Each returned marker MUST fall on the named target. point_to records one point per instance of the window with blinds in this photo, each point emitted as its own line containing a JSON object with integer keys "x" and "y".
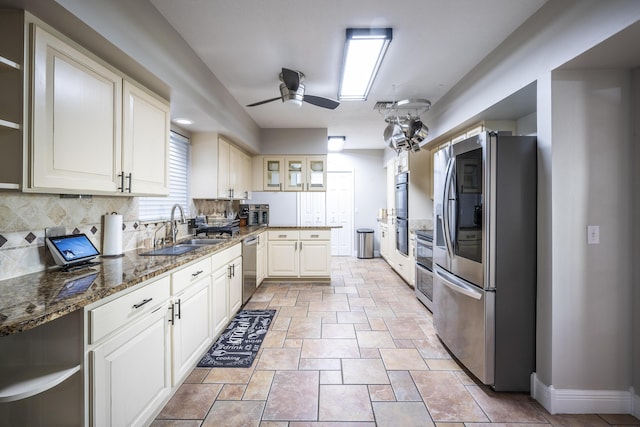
{"x": 159, "y": 208}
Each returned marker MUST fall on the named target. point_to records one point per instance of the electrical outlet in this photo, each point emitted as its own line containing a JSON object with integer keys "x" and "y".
{"x": 593, "y": 234}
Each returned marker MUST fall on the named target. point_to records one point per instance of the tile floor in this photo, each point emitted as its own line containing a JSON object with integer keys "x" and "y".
{"x": 360, "y": 351}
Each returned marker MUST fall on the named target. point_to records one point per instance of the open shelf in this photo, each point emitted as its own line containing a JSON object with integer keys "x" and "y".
{"x": 18, "y": 383}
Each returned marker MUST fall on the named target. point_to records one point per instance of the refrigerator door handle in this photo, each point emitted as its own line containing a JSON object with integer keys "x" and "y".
{"x": 457, "y": 285}
{"x": 447, "y": 201}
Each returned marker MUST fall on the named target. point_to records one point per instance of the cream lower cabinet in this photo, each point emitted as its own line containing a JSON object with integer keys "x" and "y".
{"x": 227, "y": 286}
{"x": 190, "y": 316}
{"x": 130, "y": 356}
{"x": 299, "y": 253}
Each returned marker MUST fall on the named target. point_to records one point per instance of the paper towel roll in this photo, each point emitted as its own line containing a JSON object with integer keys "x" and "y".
{"x": 112, "y": 239}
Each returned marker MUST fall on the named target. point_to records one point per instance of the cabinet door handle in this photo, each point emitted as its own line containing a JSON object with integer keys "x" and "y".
{"x": 172, "y": 309}
{"x": 121, "y": 176}
{"x": 230, "y": 274}
{"x": 197, "y": 273}
{"x": 140, "y": 304}
{"x": 233, "y": 269}
{"x": 179, "y": 309}
{"x": 129, "y": 178}
{"x": 315, "y": 236}
{"x": 300, "y": 245}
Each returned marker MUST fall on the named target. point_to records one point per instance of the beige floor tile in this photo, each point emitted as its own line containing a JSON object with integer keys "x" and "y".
{"x": 405, "y": 329}
{"x": 446, "y": 398}
{"x": 403, "y": 386}
{"x": 197, "y": 375}
{"x": 176, "y": 423}
{"x": 381, "y": 393}
{"x": 576, "y": 420}
{"x": 297, "y": 343}
{"x": 404, "y": 343}
{"x": 364, "y": 371}
{"x": 621, "y": 419}
{"x": 330, "y": 347}
{"x": 443, "y": 365}
{"x": 361, "y": 302}
{"x": 402, "y": 359}
{"x": 280, "y": 324}
{"x": 506, "y": 407}
{"x": 296, "y": 311}
{"x": 405, "y": 414}
{"x": 274, "y": 339}
{"x": 274, "y": 424}
{"x": 279, "y": 359}
{"x": 293, "y": 396}
{"x": 191, "y": 401}
{"x": 320, "y": 364}
{"x": 231, "y": 392}
{"x": 338, "y": 330}
{"x": 431, "y": 347}
{"x": 380, "y": 311}
{"x": 278, "y": 302}
{"x": 370, "y": 353}
{"x": 352, "y": 317}
{"x": 375, "y": 339}
{"x": 259, "y": 385}
{"x": 229, "y": 375}
{"x": 305, "y": 328}
{"x": 235, "y": 413}
{"x": 329, "y": 306}
{"x": 346, "y": 290}
{"x": 377, "y": 324}
{"x": 345, "y": 403}
{"x": 361, "y": 326}
{"x": 330, "y": 377}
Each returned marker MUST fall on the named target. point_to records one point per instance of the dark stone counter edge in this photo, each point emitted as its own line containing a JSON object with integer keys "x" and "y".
{"x": 28, "y": 319}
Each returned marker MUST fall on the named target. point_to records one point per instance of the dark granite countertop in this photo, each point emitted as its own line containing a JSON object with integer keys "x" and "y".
{"x": 34, "y": 299}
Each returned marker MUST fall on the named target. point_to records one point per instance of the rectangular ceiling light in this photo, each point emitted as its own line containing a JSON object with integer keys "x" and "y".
{"x": 363, "y": 53}
{"x": 336, "y": 143}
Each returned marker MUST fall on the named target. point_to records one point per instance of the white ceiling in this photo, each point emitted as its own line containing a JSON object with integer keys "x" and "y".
{"x": 246, "y": 43}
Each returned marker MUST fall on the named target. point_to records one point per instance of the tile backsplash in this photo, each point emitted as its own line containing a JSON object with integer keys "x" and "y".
{"x": 24, "y": 218}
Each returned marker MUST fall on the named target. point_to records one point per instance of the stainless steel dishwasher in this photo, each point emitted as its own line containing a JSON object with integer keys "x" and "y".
{"x": 249, "y": 262}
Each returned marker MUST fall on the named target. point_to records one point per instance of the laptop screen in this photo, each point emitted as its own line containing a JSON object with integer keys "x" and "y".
{"x": 73, "y": 249}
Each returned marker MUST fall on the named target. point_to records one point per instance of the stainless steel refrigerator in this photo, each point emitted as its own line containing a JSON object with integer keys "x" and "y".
{"x": 485, "y": 256}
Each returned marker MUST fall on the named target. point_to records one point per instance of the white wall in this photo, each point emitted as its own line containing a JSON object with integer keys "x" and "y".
{"x": 294, "y": 141}
{"x": 369, "y": 185}
{"x": 591, "y": 171}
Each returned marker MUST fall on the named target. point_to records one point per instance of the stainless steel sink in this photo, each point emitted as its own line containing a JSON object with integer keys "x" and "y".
{"x": 174, "y": 250}
{"x": 203, "y": 241}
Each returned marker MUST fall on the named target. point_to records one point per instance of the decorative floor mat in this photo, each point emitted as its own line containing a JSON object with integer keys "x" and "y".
{"x": 238, "y": 345}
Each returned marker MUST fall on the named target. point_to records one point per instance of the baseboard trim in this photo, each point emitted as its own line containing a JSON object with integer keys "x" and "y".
{"x": 572, "y": 401}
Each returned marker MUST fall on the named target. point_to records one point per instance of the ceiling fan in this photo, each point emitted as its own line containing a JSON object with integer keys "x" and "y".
{"x": 292, "y": 91}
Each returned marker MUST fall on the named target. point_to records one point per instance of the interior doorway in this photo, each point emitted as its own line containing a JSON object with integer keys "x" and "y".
{"x": 339, "y": 207}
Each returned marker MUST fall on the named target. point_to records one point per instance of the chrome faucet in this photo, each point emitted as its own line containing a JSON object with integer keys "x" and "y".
{"x": 174, "y": 225}
{"x": 157, "y": 241}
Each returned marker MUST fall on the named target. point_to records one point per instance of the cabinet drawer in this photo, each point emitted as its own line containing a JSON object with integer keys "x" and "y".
{"x": 315, "y": 234}
{"x": 284, "y": 235}
{"x": 181, "y": 279}
{"x": 221, "y": 258}
{"x": 108, "y": 317}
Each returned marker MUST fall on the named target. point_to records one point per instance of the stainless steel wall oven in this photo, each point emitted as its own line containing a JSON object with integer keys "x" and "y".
{"x": 402, "y": 213}
{"x": 424, "y": 268}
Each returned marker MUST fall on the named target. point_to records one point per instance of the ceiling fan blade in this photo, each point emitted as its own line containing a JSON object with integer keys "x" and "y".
{"x": 321, "y": 101}
{"x": 263, "y": 102}
{"x": 291, "y": 79}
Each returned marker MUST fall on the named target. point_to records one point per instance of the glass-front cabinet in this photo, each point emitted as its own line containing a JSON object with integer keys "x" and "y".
{"x": 317, "y": 173}
{"x": 273, "y": 173}
{"x": 295, "y": 173}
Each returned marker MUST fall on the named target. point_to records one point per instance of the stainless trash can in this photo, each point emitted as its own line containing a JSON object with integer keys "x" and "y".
{"x": 365, "y": 242}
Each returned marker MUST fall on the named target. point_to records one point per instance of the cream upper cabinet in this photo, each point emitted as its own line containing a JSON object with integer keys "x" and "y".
{"x": 77, "y": 102}
{"x": 219, "y": 170}
{"x": 92, "y": 131}
{"x": 294, "y": 173}
{"x": 145, "y": 141}
{"x": 273, "y": 173}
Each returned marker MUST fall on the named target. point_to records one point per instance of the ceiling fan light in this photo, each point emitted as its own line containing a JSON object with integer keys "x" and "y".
{"x": 292, "y": 97}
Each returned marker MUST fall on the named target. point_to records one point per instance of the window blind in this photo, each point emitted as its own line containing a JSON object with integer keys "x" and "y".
{"x": 159, "y": 208}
